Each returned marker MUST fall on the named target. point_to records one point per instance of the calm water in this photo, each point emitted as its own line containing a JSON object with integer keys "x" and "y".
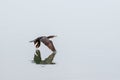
{"x": 87, "y": 42}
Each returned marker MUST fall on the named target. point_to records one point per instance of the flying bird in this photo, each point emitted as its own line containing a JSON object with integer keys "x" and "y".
{"x": 45, "y": 40}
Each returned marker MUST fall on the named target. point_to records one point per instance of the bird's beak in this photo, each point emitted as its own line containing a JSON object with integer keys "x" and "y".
{"x": 31, "y": 41}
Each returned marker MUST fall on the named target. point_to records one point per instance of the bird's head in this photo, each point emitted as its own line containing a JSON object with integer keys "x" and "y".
{"x": 36, "y": 42}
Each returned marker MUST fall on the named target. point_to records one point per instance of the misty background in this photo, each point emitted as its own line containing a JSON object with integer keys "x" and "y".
{"x": 87, "y": 42}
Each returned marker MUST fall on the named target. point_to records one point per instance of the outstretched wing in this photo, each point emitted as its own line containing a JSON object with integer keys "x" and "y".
{"x": 49, "y": 44}
{"x": 52, "y": 36}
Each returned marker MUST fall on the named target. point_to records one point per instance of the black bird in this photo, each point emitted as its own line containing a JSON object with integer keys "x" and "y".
{"x": 45, "y": 41}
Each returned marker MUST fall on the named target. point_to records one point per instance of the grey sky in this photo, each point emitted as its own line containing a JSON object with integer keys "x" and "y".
{"x": 88, "y": 39}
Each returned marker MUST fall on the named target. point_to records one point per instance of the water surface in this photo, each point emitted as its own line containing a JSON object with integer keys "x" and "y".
{"x": 87, "y": 39}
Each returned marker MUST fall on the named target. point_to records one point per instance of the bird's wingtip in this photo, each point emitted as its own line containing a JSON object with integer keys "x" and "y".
{"x": 55, "y": 51}
{"x": 55, "y": 35}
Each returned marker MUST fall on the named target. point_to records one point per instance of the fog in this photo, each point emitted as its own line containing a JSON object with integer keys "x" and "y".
{"x": 87, "y": 42}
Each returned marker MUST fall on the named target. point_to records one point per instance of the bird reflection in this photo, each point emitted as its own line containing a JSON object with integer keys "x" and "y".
{"x": 38, "y": 59}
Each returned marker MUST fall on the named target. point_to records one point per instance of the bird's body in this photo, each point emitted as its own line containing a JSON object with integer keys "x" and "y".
{"x": 45, "y": 40}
